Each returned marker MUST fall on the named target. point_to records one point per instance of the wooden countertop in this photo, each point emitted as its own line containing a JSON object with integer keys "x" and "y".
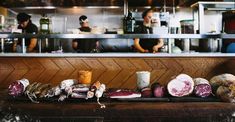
{"x": 125, "y": 111}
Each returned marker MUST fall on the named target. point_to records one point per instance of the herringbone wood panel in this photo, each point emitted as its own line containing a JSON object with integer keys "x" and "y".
{"x": 114, "y": 72}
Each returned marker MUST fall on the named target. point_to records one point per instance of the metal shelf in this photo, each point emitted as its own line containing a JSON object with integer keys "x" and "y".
{"x": 120, "y": 36}
{"x": 215, "y": 6}
{"x": 118, "y": 55}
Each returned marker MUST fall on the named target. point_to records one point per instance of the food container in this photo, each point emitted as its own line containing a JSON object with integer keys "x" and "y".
{"x": 84, "y": 77}
{"x": 143, "y": 79}
{"x": 187, "y": 26}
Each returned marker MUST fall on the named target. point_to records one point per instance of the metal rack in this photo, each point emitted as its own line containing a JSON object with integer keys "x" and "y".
{"x": 120, "y": 36}
{"x": 113, "y": 36}
{"x": 215, "y": 6}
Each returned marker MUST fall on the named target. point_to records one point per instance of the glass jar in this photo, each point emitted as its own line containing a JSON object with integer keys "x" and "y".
{"x": 45, "y": 25}
{"x": 187, "y": 26}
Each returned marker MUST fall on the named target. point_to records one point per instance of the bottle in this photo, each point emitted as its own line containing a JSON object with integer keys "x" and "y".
{"x": 129, "y": 23}
{"x": 44, "y": 24}
{"x": 2, "y": 19}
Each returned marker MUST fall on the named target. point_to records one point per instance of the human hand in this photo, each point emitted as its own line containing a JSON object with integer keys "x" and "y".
{"x": 155, "y": 48}
{"x": 146, "y": 51}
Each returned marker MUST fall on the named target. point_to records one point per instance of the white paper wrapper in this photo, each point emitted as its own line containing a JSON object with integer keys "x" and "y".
{"x": 143, "y": 79}
{"x": 25, "y": 82}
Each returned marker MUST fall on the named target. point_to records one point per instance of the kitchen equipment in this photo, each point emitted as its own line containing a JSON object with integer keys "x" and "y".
{"x": 2, "y": 20}
{"x": 209, "y": 45}
{"x": 231, "y": 48}
{"x": 116, "y": 45}
{"x": 45, "y": 24}
{"x": 174, "y": 30}
{"x": 164, "y": 18}
{"x": 129, "y": 23}
{"x": 187, "y": 26}
{"x": 10, "y": 25}
{"x": 228, "y": 27}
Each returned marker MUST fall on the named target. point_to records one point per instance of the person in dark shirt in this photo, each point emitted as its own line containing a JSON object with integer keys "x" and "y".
{"x": 85, "y": 45}
{"x": 27, "y": 27}
{"x": 147, "y": 45}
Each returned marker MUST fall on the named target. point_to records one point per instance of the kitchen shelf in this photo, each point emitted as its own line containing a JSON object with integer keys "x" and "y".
{"x": 213, "y": 6}
{"x": 216, "y": 5}
{"x": 119, "y": 36}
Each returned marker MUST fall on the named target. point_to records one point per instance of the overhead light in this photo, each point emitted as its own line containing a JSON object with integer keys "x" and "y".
{"x": 40, "y": 7}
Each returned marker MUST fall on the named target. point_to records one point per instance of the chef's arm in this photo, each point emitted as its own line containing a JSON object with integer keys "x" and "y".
{"x": 74, "y": 44}
{"x": 159, "y": 45}
{"x": 138, "y": 47}
{"x": 32, "y": 45}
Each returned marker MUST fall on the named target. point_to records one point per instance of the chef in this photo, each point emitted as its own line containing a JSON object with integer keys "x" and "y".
{"x": 85, "y": 45}
{"x": 147, "y": 45}
{"x": 27, "y": 26}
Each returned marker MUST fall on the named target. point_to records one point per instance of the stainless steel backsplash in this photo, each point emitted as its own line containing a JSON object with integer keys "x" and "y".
{"x": 110, "y": 18}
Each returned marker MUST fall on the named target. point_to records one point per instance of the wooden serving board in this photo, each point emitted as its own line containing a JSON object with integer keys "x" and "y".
{"x": 194, "y": 99}
{"x": 54, "y": 99}
{"x": 144, "y": 99}
{"x": 103, "y": 99}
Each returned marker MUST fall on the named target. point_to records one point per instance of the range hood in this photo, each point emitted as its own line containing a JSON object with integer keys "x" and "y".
{"x": 59, "y": 3}
{"x": 52, "y": 6}
{"x": 70, "y": 3}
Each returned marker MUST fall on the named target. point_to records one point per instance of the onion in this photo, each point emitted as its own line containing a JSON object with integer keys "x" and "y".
{"x": 158, "y": 90}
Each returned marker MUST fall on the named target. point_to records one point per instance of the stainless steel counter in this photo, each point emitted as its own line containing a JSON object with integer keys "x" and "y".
{"x": 117, "y": 55}
{"x": 119, "y": 36}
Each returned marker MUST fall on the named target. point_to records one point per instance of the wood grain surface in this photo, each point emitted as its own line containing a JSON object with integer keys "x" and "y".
{"x": 114, "y": 72}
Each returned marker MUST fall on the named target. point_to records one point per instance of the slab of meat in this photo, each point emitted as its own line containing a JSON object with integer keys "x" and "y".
{"x": 202, "y": 87}
{"x": 17, "y": 88}
{"x": 123, "y": 94}
{"x": 226, "y": 94}
{"x": 181, "y": 86}
{"x": 202, "y": 90}
{"x": 221, "y": 80}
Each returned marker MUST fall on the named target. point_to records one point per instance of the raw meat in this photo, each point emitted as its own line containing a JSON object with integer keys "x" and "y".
{"x": 17, "y": 88}
{"x": 181, "y": 86}
{"x": 202, "y": 87}
{"x": 123, "y": 94}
